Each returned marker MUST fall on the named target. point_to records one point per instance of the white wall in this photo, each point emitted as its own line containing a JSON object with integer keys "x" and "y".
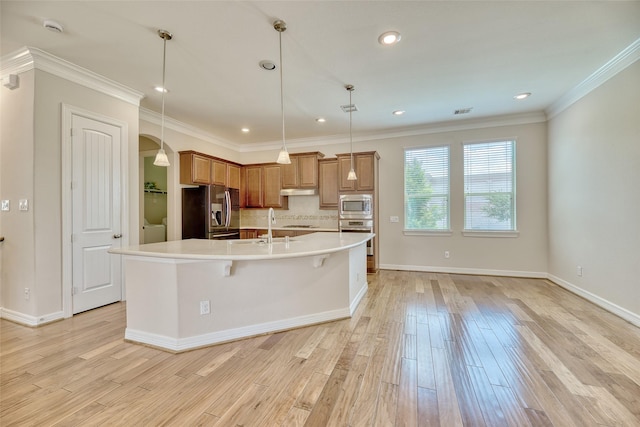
{"x": 17, "y": 182}
{"x": 594, "y": 201}
{"x": 32, "y": 169}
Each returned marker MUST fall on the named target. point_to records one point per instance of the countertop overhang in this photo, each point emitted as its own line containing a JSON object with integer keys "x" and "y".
{"x": 318, "y": 243}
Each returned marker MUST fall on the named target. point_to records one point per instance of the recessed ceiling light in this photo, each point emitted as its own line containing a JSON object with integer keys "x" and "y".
{"x": 522, "y": 95}
{"x": 321, "y": 120}
{"x": 245, "y": 130}
{"x": 161, "y": 89}
{"x": 389, "y": 38}
{"x": 398, "y": 112}
{"x": 268, "y": 65}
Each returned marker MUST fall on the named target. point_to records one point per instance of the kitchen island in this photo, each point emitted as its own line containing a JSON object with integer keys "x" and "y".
{"x": 187, "y": 294}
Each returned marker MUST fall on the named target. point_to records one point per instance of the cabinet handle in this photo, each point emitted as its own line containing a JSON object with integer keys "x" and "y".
{"x": 117, "y": 236}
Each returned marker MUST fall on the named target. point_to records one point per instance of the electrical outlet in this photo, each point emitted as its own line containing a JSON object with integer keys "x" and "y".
{"x": 446, "y": 254}
{"x": 204, "y": 307}
{"x": 579, "y": 271}
{"x": 27, "y": 294}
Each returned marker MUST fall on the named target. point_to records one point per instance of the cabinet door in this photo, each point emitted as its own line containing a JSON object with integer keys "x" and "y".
{"x": 308, "y": 171}
{"x": 364, "y": 164}
{"x": 253, "y": 187}
{"x": 233, "y": 176}
{"x": 328, "y": 172}
{"x": 201, "y": 170}
{"x": 290, "y": 173}
{"x": 344, "y": 166}
{"x": 218, "y": 172}
{"x": 194, "y": 169}
{"x": 272, "y": 186}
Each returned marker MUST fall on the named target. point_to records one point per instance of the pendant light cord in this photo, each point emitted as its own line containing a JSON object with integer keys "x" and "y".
{"x": 164, "y": 90}
{"x": 284, "y": 144}
{"x": 350, "y": 120}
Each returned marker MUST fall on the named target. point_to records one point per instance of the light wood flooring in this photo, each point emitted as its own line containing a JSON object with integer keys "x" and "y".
{"x": 423, "y": 349}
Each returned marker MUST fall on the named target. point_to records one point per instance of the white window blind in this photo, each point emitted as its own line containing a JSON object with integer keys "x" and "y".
{"x": 489, "y": 186}
{"x": 426, "y": 188}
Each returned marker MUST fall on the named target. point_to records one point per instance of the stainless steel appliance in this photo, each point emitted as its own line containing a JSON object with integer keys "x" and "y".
{"x": 356, "y": 206}
{"x": 356, "y": 215}
{"x": 210, "y": 212}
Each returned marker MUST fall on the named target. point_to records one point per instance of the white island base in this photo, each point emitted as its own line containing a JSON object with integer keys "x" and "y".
{"x": 251, "y": 289}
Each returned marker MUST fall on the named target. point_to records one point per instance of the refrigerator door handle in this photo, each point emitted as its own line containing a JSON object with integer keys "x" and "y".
{"x": 227, "y": 198}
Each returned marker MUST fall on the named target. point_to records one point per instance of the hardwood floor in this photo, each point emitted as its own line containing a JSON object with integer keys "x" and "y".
{"x": 423, "y": 349}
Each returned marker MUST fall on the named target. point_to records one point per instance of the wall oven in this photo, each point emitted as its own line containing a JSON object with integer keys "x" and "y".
{"x": 358, "y": 226}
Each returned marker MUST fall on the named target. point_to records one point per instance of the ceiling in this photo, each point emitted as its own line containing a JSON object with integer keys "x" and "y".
{"x": 453, "y": 55}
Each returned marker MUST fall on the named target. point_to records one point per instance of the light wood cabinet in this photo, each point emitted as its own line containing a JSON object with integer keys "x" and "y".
{"x": 272, "y": 174}
{"x": 194, "y": 169}
{"x": 302, "y": 172}
{"x": 202, "y": 169}
{"x": 233, "y": 176}
{"x": 328, "y": 183}
{"x": 365, "y": 167}
{"x": 218, "y": 172}
{"x": 261, "y": 185}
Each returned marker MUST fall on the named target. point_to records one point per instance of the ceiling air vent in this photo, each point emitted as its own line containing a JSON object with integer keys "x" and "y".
{"x": 463, "y": 111}
{"x": 349, "y": 107}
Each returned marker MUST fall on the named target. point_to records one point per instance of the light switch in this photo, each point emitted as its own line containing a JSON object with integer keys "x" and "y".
{"x": 5, "y": 205}
{"x": 23, "y": 205}
{"x": 394, "y": 219}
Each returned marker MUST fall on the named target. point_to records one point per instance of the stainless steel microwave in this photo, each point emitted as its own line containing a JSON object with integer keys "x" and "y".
{"x": 356, "y": 206}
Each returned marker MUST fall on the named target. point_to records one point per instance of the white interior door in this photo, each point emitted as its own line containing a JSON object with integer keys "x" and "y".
{"x": 95, "y": 193}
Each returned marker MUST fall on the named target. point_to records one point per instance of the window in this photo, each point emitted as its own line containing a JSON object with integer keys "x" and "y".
{"x": 426, "y": 189}
{"x": 489, "y": 186}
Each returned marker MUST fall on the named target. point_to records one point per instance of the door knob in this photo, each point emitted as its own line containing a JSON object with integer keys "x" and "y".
{"x": 117, "y": 236}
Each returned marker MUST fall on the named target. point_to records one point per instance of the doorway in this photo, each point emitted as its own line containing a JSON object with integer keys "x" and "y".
{"x": 154, "y": 190}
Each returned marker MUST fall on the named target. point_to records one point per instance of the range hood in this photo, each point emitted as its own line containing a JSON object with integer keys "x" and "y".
{"x": 299, "y": 192}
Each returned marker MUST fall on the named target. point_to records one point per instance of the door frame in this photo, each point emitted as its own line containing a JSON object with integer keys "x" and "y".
{"x": 68, "y": 111}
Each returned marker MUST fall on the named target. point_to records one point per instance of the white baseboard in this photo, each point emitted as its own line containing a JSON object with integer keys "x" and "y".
{"x": 623, "y": 313}
{"x": 472, "y": 271}
{"x": 183, "y": 344}
{"x": 356, "y": 300}
{"x": 29, "y": 320}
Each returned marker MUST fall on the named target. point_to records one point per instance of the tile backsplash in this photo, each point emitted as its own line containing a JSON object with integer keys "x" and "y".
{"x": 303, "y": 210}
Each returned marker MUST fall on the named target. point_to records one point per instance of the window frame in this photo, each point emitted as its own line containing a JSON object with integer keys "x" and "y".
{"x": 428, "y": 231}
{"x": 513, "y": 231}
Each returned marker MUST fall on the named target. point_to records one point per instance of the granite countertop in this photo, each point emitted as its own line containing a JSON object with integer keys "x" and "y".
{"x": 318, "y": 243}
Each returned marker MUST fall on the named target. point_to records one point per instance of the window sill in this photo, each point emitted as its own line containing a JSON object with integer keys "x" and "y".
{"x": 439, "y": 233}
{"x": 488, "y": 233}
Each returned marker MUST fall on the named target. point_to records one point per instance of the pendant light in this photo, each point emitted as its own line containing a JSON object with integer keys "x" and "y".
{"x": 161, "y": 157}
{"x": 351, "y": 176}
{"x": 283, "y": 156}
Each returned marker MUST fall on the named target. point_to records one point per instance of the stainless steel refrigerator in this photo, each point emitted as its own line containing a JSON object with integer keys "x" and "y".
{"x": 210, "y": 212}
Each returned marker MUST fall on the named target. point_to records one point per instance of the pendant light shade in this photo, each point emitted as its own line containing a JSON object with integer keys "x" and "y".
{"x": 351, "y": 176}
{"x": 283, "y": 156}
{"x": 161, "y": 158}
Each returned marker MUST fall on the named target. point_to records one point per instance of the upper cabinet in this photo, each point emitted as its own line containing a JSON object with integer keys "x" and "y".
{"x": 261, "y": 185}
{"x": 201, "y": 169}
{"x": 328, "y": 185}
{"x": 365, "y": 165}
{"x": 302, "y": 172}
{"x": 194, "y": 168}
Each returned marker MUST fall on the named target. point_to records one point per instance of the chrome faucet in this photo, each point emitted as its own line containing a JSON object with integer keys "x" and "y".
{"x": 272, "y": 220}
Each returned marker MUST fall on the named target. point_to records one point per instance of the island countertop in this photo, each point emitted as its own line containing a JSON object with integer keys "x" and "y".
{"x": 318, "y": 243}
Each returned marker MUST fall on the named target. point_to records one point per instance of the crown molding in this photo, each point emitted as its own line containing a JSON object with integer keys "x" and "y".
{"x": 618, "y": 63}
{"x": 151, "y": 116}
{"x": 29, "y": 58}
